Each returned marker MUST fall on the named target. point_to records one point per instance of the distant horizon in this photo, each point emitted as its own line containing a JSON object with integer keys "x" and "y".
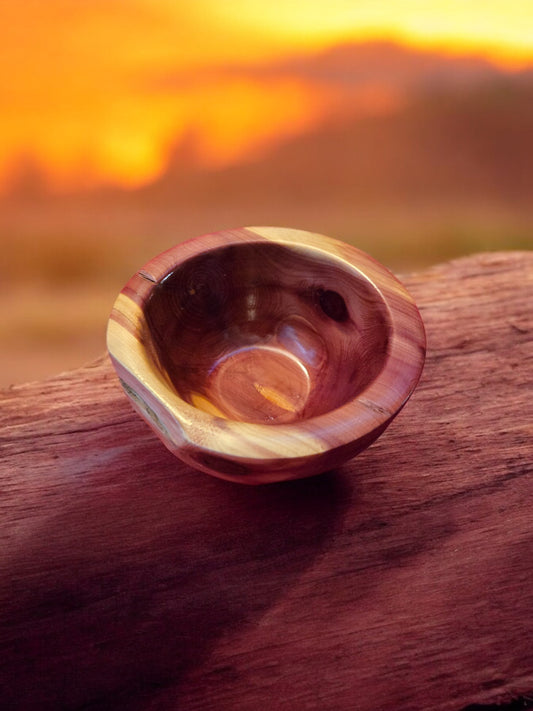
{"x": 306, "y": 81}
{"x": 99, "y": 95}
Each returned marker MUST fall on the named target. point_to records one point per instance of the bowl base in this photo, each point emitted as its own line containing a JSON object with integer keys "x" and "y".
{"x": 257, "y": 384}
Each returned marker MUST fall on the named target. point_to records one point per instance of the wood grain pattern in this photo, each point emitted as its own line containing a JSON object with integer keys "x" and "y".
{"x": 402, "y": 580}
{"x": 263, "y": 354}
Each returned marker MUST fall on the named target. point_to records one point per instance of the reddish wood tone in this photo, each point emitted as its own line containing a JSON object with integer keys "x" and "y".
{"x": 263, "y": 354}
{"x": 264, "y": 334}
{"x": 402, "y": 580}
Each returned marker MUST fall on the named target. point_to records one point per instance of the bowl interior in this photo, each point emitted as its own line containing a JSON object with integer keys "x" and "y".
{"x": 265, "y": 333}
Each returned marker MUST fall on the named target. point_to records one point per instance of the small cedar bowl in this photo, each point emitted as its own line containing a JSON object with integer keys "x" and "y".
{"x": 264, "y": 354}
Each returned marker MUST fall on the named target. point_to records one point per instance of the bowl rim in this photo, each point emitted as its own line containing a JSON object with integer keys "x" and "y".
{"x": 180, "y": 424}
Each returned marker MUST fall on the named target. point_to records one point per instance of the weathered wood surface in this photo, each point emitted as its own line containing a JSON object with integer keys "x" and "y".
{"x": 401, "y": 581}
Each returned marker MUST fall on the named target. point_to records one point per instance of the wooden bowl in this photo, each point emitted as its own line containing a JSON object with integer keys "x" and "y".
{"x": 263, "y": 354}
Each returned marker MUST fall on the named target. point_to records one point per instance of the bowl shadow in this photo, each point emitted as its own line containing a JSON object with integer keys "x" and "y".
{"x": 130, "y": 585}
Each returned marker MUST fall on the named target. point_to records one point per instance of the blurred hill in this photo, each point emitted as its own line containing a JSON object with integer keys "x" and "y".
{"x": 417, "y": 157}
{"x": 352, "y": 65}
{"x": 461, "y": 144}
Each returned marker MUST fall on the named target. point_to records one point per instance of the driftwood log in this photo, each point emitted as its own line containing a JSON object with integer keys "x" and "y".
{"x": 402, "y": 580}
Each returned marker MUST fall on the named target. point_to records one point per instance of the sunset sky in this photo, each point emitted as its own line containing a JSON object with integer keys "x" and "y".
{"x": 97, "y": 91}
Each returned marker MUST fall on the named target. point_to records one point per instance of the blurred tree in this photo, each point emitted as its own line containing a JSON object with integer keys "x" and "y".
{"x": 26, "y": 178}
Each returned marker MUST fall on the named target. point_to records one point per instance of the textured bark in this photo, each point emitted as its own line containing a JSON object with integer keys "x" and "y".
{"x": 403, "y": 580}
